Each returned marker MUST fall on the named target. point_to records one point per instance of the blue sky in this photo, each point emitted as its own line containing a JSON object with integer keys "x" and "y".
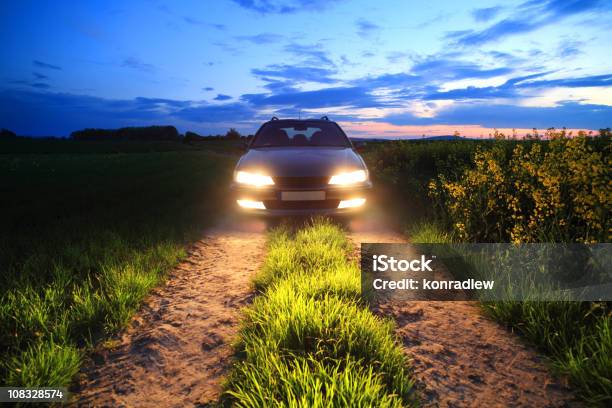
{"x": 384, "y": 68}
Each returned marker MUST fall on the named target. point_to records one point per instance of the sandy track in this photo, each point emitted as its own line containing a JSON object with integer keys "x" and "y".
{"x": 460, "y": 357}
{"x": 178, "y": 347}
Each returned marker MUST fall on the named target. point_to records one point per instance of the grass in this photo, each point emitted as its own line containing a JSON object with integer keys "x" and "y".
{"x": 85, "y": 236}
{"x": 575, "y": 336}
{"x": 308, "y": 339}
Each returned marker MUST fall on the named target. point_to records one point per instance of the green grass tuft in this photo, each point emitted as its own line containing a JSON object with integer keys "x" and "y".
{"x": 308, "y": 339}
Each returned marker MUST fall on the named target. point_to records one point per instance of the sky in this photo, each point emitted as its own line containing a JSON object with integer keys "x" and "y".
{"x": 379, "y": 68}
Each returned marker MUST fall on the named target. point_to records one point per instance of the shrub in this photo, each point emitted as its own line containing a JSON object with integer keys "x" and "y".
{"x": 548, "y": 191}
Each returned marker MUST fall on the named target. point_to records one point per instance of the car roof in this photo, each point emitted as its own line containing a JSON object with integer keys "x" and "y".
{"x": 313, "y": 120}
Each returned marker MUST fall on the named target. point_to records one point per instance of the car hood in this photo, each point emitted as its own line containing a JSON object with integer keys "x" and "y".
{"x": 300, "y": 162}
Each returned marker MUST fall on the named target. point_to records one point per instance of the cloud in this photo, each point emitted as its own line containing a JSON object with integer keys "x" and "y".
{"x": 197, "y": 22}
{"x": 38, "y": 75}
{"x": 192, "y": 20}
{"x": 389, "y": 80}
{"x": 45, "y": 65}
{"x": 397, "y": 56}
{"x": 137, "y": 64}
{"x": 569, "y": 48}
{"x": 227, "y": 47}
{"x": 48, "y": 113}
{"x": 295, "y": 73}
{"x": 222, "y": 97}
{"x": 485, "y": 14}
{"x": 208, "y": 89}
{"x": 279, "y": 86}
{"x": 40, "y": 85}
{"x": 366, "y": 28}
{"x": 263, "y": 38}
{"x": 569, "y": 114}
{"x": 229, "y": 112}
{"x": 33, "y": 84}
{"x": 313, "y": 54}
{"x": 442, "y": 67}
{"x": 511, "y": 87}
{"x": 323, "y": 98}
{"x": 284, "y": 6}
{"x": 529, "y": 16}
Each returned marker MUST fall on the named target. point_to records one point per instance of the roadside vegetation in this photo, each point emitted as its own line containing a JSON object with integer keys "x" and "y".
{"x": 309, "y": 339}
{"x": 553, "y": 187}
{"x": 87, "y": 229}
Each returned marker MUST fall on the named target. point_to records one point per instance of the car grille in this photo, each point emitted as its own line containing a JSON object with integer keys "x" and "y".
{"x": 301, "y": 205}
{"x": 301, "y": 182}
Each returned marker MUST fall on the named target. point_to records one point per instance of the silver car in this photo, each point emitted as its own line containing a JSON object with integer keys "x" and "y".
{"x": 296, "y": 167}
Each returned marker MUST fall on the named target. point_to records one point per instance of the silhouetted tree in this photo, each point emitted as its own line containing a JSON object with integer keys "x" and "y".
{"x": 232, "y": 134}
{"x": 145, "y": 133}
{"x": 193, "y": 137}
{"x": 7, "y": 134}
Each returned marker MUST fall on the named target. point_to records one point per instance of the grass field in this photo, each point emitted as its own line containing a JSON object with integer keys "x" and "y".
{"x": 308, "y": 339}
{"x": 87, "y": 230}
{"x": 553, "y": 190}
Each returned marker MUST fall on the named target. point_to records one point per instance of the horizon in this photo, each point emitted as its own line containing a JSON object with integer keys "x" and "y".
{"x": 385, "y": 71}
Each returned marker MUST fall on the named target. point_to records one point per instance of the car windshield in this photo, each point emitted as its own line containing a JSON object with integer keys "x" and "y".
{"x": 302, "y": 134}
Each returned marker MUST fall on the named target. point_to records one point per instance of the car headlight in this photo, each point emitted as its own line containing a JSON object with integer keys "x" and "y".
{"x": 353, "y": 177}
{"x": 253, "y": 179}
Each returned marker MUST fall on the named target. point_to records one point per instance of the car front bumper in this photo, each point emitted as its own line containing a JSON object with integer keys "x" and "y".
{"x": 272, "y": 203}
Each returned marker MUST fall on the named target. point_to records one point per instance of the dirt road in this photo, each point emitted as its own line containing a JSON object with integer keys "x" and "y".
{"x": 460, "y": 357}
{"x": 178, "y": 346}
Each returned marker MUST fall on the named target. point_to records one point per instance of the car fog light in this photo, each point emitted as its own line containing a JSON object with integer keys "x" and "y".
{"x": 258, "y": 205}
{"x": 355, "y": 202}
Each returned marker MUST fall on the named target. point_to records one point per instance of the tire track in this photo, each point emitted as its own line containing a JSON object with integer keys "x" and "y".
{"x": 178, "y": 347}
{"x": 460, "y": 357}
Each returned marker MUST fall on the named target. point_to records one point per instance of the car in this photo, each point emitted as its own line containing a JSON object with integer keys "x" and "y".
{"x": 301, "y": 167}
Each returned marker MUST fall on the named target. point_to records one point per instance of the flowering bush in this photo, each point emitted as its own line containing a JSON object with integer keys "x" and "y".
{"x": 551, "y": 190}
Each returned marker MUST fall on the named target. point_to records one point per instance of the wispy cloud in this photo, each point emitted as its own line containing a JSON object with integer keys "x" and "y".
{"x": 136, "y": 63}
{"x": 296, "y": 73}
{"x": 195, "y": 21}
{"x": 529, "y": 16}
{"x": 38, "y": 75}
{"x": 284, "y": 6}
{"x": 45, "y": 65}
{"x": 486, "y": 14}
{"x": 263, "y": 38}
{"x": 568, "y": 114}
{"x": 511, "y": 88}
{"x": 313, "y": 54}
{"x": 192, "y": 20}
{"x": 366, "y": 28}
{"x": 449, "y": 67}
{"x": 324, "y": 98}
{"x": 569, "y": 48}
{"x": 222, "y": 97}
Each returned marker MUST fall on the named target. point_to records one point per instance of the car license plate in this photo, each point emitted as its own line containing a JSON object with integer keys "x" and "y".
{"x": 302, "y": 195}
